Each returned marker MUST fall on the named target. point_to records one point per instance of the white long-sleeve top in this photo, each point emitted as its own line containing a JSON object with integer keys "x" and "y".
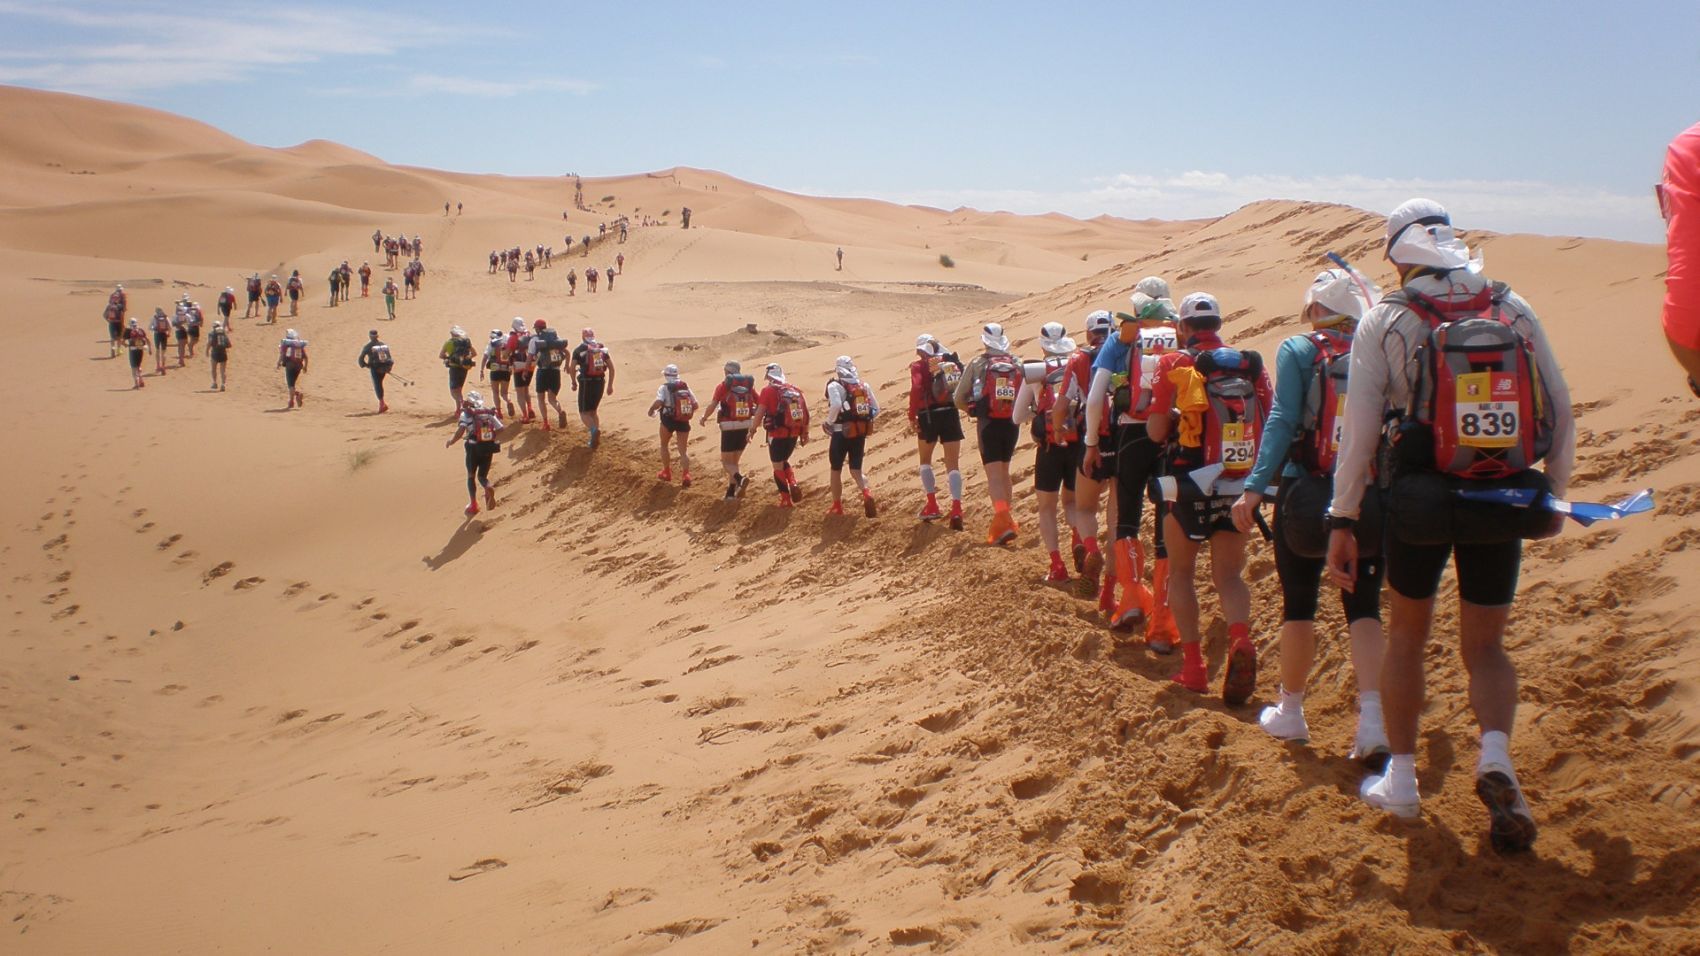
{"x": 1383, "y": 373}
{"x": 837, "y": 396}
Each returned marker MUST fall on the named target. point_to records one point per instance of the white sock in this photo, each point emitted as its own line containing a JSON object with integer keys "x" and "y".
{"x": 861, "y": 480}
{"x": 955, "y": 479}
{"x": 1369, "y": 706}
{"x": 1402, "y": 777}
{"x": 1292, "y": 703}
{"x": 1496, "y": 750}
{"x": 929, "y": 484}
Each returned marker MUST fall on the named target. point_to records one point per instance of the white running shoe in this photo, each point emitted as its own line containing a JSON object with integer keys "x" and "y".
{"x": 1370, "y": 748}
{"x": 1288, "y": 725}
{"x": 1376, "y": 792}
{"x": 1511, "y": 827}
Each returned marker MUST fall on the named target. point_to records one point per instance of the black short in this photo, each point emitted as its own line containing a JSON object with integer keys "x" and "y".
{"x": 548, "y": 381}
{"x": 291, "y": 373}
{"x": 182, "y": 335}
{"x": 590, "y": 390}
{"x": 1202, "y": 518}
{"x": 680, "y": 426}
{"x": 114, "y": 329}
{"x": 842, "y": 449}
{"x": 479, "y": 454}
{"x": 457, "y": 376}
{"x": 1138, "y": 460}
{"x": 998, "y": 438}
{"x": 253, "y": 297}
{"x": 522, "y": 378}
{"x": 159, "y": 340}
{"x": 1054, "y": 467}
{"x": 1301, "y": 579}
{"x": 217, "y": 355}
{"x": 272, "y": 301}
{"x": 1487, "y": 573}
{"x": 734, "y": 440}
{"x": 501, "y": 375}
{"x": 194, "y": 333}
{"x": 779, "y": 450}
{"x": 941, "y": 423}
{"x": 135, "y": 358}
{"x": 224, "y": 311}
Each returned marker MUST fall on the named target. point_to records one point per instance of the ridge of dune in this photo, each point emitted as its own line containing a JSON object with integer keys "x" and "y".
{"x": 260, "y": 665}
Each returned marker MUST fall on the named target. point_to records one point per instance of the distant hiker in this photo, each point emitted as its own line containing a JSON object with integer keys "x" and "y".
{"x": 524, "y": 366}
{"x": 365, "y": 280}
{"x": 479, "y": 426}
{"x": 496, "y": 258}
{"x": 445, "y": 207}
{"x": 610, "y": 273}
{"x": 1301, "y": 441}
{"x": 590, "y": 279}
{"x": 334, "y": 281}
{"x": 457, "y": 208}
{"x": 161, "y": 329}
{"x": 1208, "y": 405}
{"x": 377, "y": 240}
{"x": 850, "y": 412}
{"x": 685, "y": 218}
{"x": 594, "y": 378}
{"x": 114, "y": 327}
{"x": 196, "y": 318}
{"x": 840, "y": 258}
{"x": 375, "y": 358}
{"x": 180, "y": 334}
{"x": 498, "y": 363}
{"x": 584, "y": 244}
{"x": 572, "y": 282}
{"x": 513, "y": 267}
{"x": 226, "y": 304}
{"x": 120, "y": 300}
{"x": 734, "y": 409}
{"x": 936, "y": 423}
{"x": 619, "y": 263}
{"x": 549, "y": 352}
{"x": 218, "y": 355}
{"x": 676, "y": 406}
{"x": 136, "y": 342}
{"x": 1478, "y": 399}
{"x": 785, "y": 416}
{"x": 1679, "y": 201}
{"x": 292, "y": 358}
{"x": 457, "y": 355}
{"x": 389, "y": 290}
{"x": 987, "y": 393}
{"x": 346, "y": 277}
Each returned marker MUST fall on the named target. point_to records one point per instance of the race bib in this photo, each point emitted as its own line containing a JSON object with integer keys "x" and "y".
{"x": 1487, "y": 409}
{"x": 1339, "y": 431}
{"x": 861, "y": 407}
{"x": 1004, "y": 391}
{"x": 1239, "y": 448}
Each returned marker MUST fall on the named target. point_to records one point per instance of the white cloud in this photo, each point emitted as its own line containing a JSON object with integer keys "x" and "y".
{"x": 1498, "y": 205}
{"x": 471, "y": 86}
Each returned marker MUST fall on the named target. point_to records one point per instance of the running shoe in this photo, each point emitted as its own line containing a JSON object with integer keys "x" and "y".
{"x": 472, "y": 508}
{"x": 595, "y": 437}
{"x": 956, "y": 516}
{"x": 1370, "y": 747}
{"x": 1059, "y": 571}
{"x": 1282, "y": 724}
{"x": 785, "y": 500}
{"x": 868, "y": 506}
{"x": 1079, "y": 547}
{"x": 511, "y": 409}
{"x": 1196, "y": 679}
{"x": 1511, "y": 828}
{"x": 836, "y": 509}
{"x": 739, "y": 484}
{"x": 1376, "y": 792}
{"x": 563, "y": 418}
{"x": 1239, "y": 678}
{"x": 1091, "y": 567}
{"x": 666, "y": 474}
{"x": 796, "y": 492}
{"x": 490, "y": 497}
{"x": 1002, "y": 530}
{"x": 930, "y": 511}
{"x": 685, "y": 480}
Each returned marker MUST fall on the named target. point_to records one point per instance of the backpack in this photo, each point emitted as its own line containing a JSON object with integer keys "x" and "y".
{"x": 161, "y": 322}
{"x": 681, "y": 402}
{"x": 519, "y": 350}
{"x": 460, "y": 354}
{"x": 595, "y": 360}
{"x": 739, "y": 403}
{"x": 945, "y": 371}
{"x": 857, "y": 412}
{"x": 218, "y": 342}
{"x": 1053, "y": 390}
{"x": 1322, "y": 423}
{"x": 1222, "y": 417}
{"x": 1479, "y": 408}
{"x": 790, "y": 411}
{"x": 999, "y": 383}
{"x": 293, "y": 351}
{"x": 381, "y": 356}
{"x": 482, "y": 428}
{"x": 1130, "y": 390}
{"x": 549, "y": 349}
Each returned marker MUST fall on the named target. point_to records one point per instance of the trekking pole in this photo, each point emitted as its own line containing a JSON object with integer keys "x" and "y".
{"x": 401, "y": 380}
{"x": 1263, "y": 526}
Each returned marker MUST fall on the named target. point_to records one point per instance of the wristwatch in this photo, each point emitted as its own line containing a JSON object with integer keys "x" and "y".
{"x": 1341, "y": 523}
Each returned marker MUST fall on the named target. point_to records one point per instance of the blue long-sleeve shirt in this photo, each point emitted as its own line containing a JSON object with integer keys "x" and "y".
{"x": 1295, "y": 363}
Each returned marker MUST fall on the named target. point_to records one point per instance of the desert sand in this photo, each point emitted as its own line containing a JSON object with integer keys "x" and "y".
{"x": 265, "y": 689}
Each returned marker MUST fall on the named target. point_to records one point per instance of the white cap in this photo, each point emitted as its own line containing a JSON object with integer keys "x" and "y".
{"x": 519, "y": 324}
{"x": 457, "y": 332}
{"x": 474, "y": 399}
{"x": 845, "y": 368}
{"x": 993, "y": 338}
{"x": 1339, "y": 293}
{"x": 290, "y": 334}
{"x": 1420, "y": 233}
{"x": 1200, "y": 305}
{"x": 670, "y": 373}
{"x": 775, "y": 373}
{"x": 1413, "y": 212}
{"x": 1053, "y": 338}
{"x": 1156, "y": 287}
{"x": 495, "y": 334}
{"x": 226, "y": 288}
{"x": 1100, "y": 321}
{"x": 924, "y": 343}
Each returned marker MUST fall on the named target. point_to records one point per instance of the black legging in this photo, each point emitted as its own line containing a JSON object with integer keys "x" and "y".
{"x": 1301, "y": 579}
{"x": 478, "y": 458}
{"x": 378, "y": 374}
{"x": 1138, "y": 460}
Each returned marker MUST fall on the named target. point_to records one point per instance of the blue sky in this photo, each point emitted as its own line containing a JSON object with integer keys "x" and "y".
{"x": 1521, "y": 116}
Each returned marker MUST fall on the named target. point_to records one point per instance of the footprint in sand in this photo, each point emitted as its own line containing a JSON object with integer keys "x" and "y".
{"x": 296, "y": 588}
{"x": 626, "y": 896}
{"x": 145, "y": 528}
{"x": 171, "y": 690}
{"x": 185, "y": 557}
{"x": 247, "y": 583}
{"x": 66, "y": 612}
{"x": 487, "y": 865}
{"x": 223, "y": 568}
{"x": 168, "y": 542}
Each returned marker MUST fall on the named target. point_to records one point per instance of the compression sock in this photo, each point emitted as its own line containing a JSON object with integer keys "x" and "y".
{"x": 929, "y": 484}
{"x": 955, "y": 480}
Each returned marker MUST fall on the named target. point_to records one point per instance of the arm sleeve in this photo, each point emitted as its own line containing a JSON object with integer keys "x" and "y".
{"x": 1680, "y": 199}
{"x": 1026, "y": 403}
{"x": 1292, "y": 381}
{"x": 1366, "y": 401}
{"x": 834, "y": 402}
{"x": 873, "y": 404}
{"x": 965, "y": 386}
{"x": 1095, "y": 405}
{"x": 1561, "y": 457}
{"x": 920, "y": 389}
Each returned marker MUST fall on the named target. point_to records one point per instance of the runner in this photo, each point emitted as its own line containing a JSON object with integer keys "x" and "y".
{"x": 590, "y": 279}
{"x": 594, "y": 378}
{"x": 218, "y": 355}
{"x": 345, "y": 279}
{"x": 1452, "y": 440}
{"x": 1301, "y": 439}
{"x": 620, "y": 258}
{"x": 676, "y": 405}
{"x": 389, "y": 290}
{"x": 610, "y": 273}
{"x": 120, "y": 300}
{"x": 274, "y": 295}
{"x": 519, "y": 348}
{"x": 136, "y": 342}
{"x": 365, "y": 280}
{"x": 180, "y": 333}
{"x": 1210, "y": 401}
{"x": 549, "y": 353}
{"x": 850, "y": 412}
{"x": 480, "y": 426}
{"x": 572, "y": 282}
{"x": 334, "y": 281}
{"x": 498, "y": 360}
{"x": 1045, "y": 404}
{"x": 734, "y": 408}
{"x": 785, "y": 416}
{"x": 226, "y": 304}
{"x": 935, "y": 422}
{"x": 530, "y": 266}
{"x": 292, "y": 358}
{"x": 253, "y": 288}
{"x": 495, "y": 259}
{"x": 840, "y": 259}
{"x": 161, "y": 334}
{"x": 377, "y": 239}
{"x": 375, "y": 358}
{"x": 457, "y": 355}
{"x": 987, "y": 393}
{"x": 513, "y": 266}
{"x": 1076, "y": 390}
{"x": 196, "y": 318}
{"x": 293, "y": 287}
{"x": 114, "y": 327}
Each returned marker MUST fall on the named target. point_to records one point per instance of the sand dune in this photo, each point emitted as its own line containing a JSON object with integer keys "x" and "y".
{"x": 266, "y": 689}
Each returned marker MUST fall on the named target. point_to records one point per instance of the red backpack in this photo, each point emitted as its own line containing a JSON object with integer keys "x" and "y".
{"x": 1053, "y": 391}
{"x": 1322, "y": 423}
{"x": 999, "y": 383}
{"x": 483, "y": 426}
{"x": 595, "y": 360}
{"x": 1479, "y": 408}
{"x": 1231, "y": 419}
{"x": 682, "y": 402}
{"x": 738, "y": 404}
{"x": 944, "y": 371}
{"x": 857, "y": 413}
{"x": 790, "y": 416}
